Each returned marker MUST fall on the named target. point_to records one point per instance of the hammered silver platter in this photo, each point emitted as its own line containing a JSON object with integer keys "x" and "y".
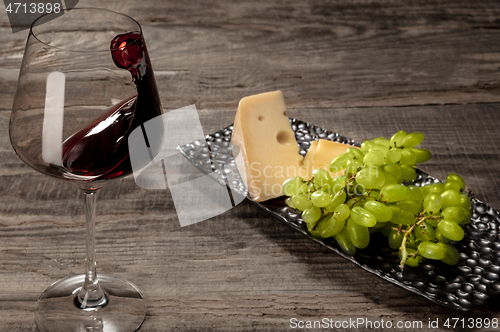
{"x": 463, "y": 287}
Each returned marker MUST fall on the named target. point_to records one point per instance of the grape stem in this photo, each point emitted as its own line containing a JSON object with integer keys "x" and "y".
{"x": 404, "y": 252}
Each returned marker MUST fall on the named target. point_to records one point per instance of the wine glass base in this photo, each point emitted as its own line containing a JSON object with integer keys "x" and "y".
{"x": 123, "y": 311}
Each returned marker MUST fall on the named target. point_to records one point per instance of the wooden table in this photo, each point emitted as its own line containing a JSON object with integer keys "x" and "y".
{"x": 362, "y": 68}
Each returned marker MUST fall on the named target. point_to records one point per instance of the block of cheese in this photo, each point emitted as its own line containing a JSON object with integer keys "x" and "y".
{"x": 321, "y": 153}
{"x": 269, "y": 153}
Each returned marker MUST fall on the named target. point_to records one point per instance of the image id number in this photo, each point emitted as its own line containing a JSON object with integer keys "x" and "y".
{"x": 32, "y": 8}
{"x": 472, "y": 323}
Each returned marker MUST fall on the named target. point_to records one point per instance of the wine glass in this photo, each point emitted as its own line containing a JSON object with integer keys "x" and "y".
{"x": 85, "y": 83}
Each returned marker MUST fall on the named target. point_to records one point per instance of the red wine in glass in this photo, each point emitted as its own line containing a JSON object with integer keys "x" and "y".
{"x": 101, "y": 149}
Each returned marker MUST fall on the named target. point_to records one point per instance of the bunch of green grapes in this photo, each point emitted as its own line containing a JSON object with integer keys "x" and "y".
{"x": 372, "y": 196}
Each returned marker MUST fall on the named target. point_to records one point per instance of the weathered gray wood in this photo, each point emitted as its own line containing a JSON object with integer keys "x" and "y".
{"x": 343, "y": 65}
{"x": 322, "y": 53}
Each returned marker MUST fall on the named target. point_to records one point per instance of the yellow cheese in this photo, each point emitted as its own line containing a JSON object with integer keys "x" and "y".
{"x": 309, "y": 158}
{"x": 269, "y": 153}
{"x": 321, "y": 153}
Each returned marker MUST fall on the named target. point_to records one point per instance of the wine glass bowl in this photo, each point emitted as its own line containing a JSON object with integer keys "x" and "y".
{"x": 85, "y": 84}
{"x": 70, "y": 77}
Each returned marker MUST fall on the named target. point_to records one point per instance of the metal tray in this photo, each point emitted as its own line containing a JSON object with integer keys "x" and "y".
{"x": 463, "y": 287}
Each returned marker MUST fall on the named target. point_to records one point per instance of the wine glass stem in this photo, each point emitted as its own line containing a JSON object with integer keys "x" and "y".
{"x": 91, "y": 295}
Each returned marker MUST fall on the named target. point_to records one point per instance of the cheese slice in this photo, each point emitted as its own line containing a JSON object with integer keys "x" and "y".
{"x": 321, "y": 153}
{"x": 268, "y": 151}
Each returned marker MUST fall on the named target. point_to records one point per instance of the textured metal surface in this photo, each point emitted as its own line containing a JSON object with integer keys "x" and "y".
{"x": 472, "y": 281}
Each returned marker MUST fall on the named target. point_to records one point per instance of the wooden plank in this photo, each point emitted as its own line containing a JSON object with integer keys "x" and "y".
{"x": 321, "y": 54}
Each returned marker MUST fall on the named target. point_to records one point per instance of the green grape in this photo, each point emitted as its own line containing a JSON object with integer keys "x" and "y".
{"x": 452, "y": 185}
{"x": 394, "y": 155}
{"x": 363, "y": 217}
{"x": 322, "y": 178}
{"x": 433, "y": 202}
{"x": 366, "y": 198}
{"x": 412, "y": 242}
{"x": 320, "y": 198}
{"x": 389, "y": 179}
{"x": 451, "y": 230}
{"x": 375, "y": 194}
{"x": 431, "y": 250}
{"x": 355, "y": 153}
{"x": 425, "y": 232}
{"x": 394, "y": 193}
{"x": 422, "y": 155}
{"x": 408, "y": 173}
{"x": 452, "y": 256}
{"x": 380, "y": 211}
{"x": 413, "y": 139}
{"x": 339, "y": 163}
{"x": 464, "y": 202}
{"x": 381, "y": 141}
{"x": 330, "y": 226}
{"x": 294, "y": 185}
{"x": 374, "y": 158}
{"x": 408, "y": 157}
{"x": 454, "y": 213}
{"x": 393, "y": 169}
{"x": 416, "y": 194}
{"x": 397, "y": 139}
{"x": 338, "y": 184}
{"x": 434, "y": 221}
{"x": 353, "y": 202}
{"x": 386, "y": 230}
{"x": 366, "y": 146}
{"x": 436, "y": 188}
{"x": 301, "y": 201}
{"x": 289, "y": 202}
{"x": 450, "y": 198}
{"x": 337, "y": 199}
{"x": 413, "y": 207}
{"x": 457, "y": 178}
{"x": 342, "y": 212}
{"x": 411, "y": 260}
{"x": 425, "y": 189}
{"x": 359, "y": 235}
{"x": 379, "y": 224}
{"x": 370, "y": 177}
{"x": 359, "y": 190}
{"x": 394, "y": 239}
{"x": 382, "y": 148}
{"x": 466, "y": 217}
{"x": 344, "y": 242}
{"x": 440, "y": 237}
{"x": 311, "y": 214}
{"x": 353, "y": 165}
{"x": 312, "y": 228}
{"x": 400, "y": 217}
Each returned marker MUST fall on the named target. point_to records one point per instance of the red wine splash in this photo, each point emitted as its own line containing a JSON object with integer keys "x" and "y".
{"x": 100, "y": 150}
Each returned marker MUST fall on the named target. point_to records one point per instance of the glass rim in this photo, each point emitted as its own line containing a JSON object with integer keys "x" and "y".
{"x": 34, "y": 25}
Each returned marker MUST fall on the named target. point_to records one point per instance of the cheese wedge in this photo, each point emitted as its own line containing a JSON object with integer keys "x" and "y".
{"x": 321, "y": 153}
{"x": 269, "y": 153}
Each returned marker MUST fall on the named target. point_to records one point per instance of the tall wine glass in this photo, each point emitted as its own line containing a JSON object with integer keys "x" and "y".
{"x": 85, "y": 83}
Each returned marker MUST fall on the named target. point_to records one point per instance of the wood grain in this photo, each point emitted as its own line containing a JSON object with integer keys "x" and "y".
{"x": 361, "y": 68}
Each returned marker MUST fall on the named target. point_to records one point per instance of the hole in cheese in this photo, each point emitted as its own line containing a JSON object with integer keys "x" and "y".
{"x": 284, "y": 137}
{"x": 261, "y": 118}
